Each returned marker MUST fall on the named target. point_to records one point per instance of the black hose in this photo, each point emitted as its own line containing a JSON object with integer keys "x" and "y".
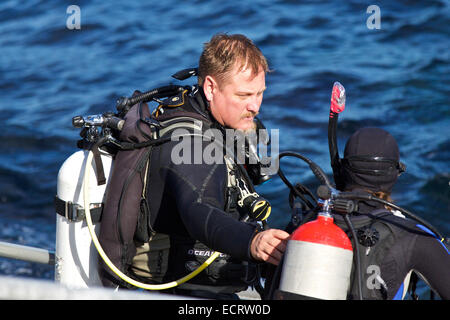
{"x": 124, "y": 104}
{"x": 334, "y": 153}
{"x": 290, "y": 186}
{"x": 332, "y": 137}
{"x": 356, "y": 256}
{"x": 155, "y": 93}
{"x": 318, "y": 172}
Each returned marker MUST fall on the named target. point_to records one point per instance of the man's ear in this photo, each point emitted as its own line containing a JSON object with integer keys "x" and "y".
{"x": 209, "y": 87}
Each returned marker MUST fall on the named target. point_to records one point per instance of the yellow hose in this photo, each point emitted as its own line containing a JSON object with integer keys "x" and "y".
{"x": 108, "y": 262}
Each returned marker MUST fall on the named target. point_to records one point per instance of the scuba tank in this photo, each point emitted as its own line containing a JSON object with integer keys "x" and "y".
{"x": 318, "y": 261}
{"x": 76, "y": 258}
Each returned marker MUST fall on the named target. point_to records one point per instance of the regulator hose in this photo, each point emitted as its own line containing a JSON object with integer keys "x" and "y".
{"x": 109, "y": 263}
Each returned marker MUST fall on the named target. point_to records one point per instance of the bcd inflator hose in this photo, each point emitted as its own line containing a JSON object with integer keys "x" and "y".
{"x": 123, "y": 104}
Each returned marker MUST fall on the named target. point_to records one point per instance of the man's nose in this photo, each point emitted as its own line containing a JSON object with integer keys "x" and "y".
{"x": 254, "y": 105}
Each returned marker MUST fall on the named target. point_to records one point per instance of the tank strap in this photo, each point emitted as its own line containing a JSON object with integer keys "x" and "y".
{"x": 74, "y": 212}
{"x": 101, "y": 179}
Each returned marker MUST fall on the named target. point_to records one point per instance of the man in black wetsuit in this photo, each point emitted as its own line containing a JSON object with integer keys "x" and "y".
{"x": 193, "y": 206}
{"x": 391, "y": 246}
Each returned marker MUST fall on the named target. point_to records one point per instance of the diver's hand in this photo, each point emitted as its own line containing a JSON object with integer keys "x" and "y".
{"x": 269, "y": 245}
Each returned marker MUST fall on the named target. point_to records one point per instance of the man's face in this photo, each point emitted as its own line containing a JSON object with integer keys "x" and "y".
{"x": 237, "y": 101}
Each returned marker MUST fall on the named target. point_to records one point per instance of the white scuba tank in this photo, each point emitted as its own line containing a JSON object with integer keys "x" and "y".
{"x": 76, "y": 257}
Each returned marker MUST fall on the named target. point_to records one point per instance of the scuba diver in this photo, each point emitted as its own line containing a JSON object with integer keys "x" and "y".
{"x": 361, "y": 246}
{"x": 162, "y": 218}
{"x": 353, "y": 242}
{"x": 393, "y": 249}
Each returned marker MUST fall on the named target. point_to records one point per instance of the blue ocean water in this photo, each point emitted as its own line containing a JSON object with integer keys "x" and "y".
{"x": 396, "y": 78}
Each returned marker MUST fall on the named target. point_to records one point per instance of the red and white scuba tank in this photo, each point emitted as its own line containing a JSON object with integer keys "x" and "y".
{"x": 318, "y": 261}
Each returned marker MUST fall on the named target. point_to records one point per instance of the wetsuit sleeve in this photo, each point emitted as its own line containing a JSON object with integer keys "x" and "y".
{"x": 199, "y": 192}
{"x": 431, "y": 259}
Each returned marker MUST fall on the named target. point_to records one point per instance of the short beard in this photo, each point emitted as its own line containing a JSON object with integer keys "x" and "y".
{"x": 249, "y": 130}
{"x": 253, "y": 127}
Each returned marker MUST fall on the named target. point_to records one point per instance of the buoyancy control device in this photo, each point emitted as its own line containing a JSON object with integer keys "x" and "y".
{"x": 83, "y": 186}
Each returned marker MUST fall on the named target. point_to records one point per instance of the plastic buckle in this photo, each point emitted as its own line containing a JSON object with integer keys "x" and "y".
{"x": 73, "y": 212}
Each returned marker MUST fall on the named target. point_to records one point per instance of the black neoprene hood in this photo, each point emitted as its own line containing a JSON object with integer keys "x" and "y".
{"x": 371, "y": 160}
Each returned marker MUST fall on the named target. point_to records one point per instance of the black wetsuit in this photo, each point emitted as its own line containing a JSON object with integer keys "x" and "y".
{"x": 403, "y": 245}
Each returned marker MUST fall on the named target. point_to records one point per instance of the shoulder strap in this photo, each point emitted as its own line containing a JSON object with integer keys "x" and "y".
{"x": 178, "y": 122}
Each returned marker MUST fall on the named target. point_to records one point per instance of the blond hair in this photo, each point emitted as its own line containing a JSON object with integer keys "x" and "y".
{"x": 223, "y": 52}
